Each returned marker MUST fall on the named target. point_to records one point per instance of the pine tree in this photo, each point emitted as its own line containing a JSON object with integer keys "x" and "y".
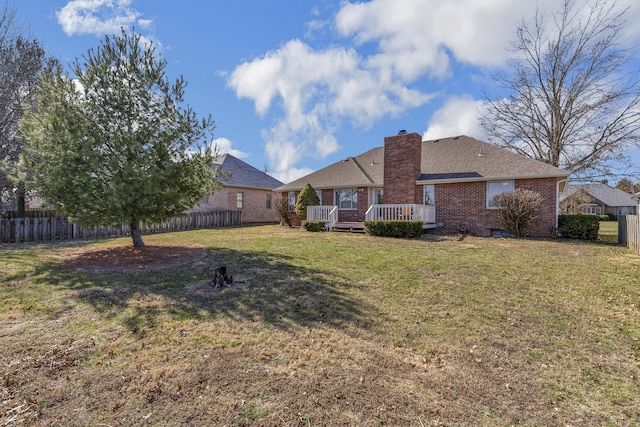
{"x": 113, "y": 144}
{"x": 307, "y": 197}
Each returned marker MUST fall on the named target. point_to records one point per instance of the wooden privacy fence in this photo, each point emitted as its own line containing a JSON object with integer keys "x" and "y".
{"x": 51, "y": 228}
{"x": 629, "y": 231}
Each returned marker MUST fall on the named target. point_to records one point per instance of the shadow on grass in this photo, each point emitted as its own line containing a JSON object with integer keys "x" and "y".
{"x": 274, "y": 289}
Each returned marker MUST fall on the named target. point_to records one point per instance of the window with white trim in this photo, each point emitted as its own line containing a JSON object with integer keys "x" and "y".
{"x": 592, "y": 210}
{"x": 378, "y": 196}
{"x": 495, "y": 188}
{"x": 347, "y": 198}
{"x": 429, "y": 195}
{"x": 292, "y": 201}
{"x": 239, "y": 200}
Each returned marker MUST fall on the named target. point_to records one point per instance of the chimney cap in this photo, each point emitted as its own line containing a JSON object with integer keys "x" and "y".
{"x": 402, "y": 132}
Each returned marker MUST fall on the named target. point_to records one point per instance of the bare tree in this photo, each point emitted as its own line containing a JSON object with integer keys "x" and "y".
{"x": 625, "y": 185}
{"x": 575, "y": 202}
{"x": 570, "y": 100}
{"x": 21, "y": 60}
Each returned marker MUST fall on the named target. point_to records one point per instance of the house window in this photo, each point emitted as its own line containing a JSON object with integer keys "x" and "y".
{"x": 495, "y": 188}
{"x": 239, "y": 200}
{"x": 592, "y": 210}
{"x": 429, "y": 195}
{"x": 268, "y": 201}
{"x": 347, "y": 198}
{"x": 378, "y": 196}
{"x": 319, "y": 194}
{"x": 292, "y": 201}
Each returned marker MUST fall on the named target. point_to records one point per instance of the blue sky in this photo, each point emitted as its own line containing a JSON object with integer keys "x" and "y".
{"x": 293, "y": 85}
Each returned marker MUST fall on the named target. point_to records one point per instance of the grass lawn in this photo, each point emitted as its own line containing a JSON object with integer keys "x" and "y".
{"x": 325, "y": 329}
{"x": 608, "y": 231}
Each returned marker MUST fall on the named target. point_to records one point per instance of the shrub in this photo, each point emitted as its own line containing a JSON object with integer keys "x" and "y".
{"x": 517, "y": 210}
{"x": 406, "y": 229}
{"x": 282, "y": 209}
{"x": 313, "y": 226}
{"x": 307, "y": 197}
{"x": 583, "y": 227}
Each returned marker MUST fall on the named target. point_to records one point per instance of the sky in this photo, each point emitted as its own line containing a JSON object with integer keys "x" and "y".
{"x": 296, "y": 85}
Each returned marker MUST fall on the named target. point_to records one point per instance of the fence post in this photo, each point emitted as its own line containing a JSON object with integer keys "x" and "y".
{"x": 622, "y": 230}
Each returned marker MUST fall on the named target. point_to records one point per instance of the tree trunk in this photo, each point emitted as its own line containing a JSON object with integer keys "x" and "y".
{"x": 20, "y": 200}
{"x": 136, "y": 234}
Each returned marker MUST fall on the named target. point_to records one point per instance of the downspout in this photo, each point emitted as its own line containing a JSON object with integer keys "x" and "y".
{"x": 562, "y": 181}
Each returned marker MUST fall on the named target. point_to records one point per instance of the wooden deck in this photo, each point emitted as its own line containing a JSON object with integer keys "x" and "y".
{"x": 350, "y": 227}
{"x": 358, "y": 227}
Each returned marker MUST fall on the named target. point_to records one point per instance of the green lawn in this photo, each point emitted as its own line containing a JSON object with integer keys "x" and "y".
{"x": 608, "y": 231}
{"x": 325, "y": 329}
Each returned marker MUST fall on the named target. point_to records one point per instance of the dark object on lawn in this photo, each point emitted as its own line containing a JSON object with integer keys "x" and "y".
{"x": 220, "y": 279}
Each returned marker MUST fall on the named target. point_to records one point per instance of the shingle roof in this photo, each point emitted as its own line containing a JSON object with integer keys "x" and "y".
{"x": 464, "y": 158}
{"x": 609, "y": 196}
{"x": 245, "y": 175}
{"x": 365, "y": 170}
{"x": 459, "y": 158}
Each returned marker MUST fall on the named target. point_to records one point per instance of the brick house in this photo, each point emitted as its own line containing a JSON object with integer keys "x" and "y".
{"x": 448, "y": 182}
{"x": 246, "y": 189}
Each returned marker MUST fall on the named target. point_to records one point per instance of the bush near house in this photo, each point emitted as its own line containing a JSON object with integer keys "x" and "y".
{"x": 282, "y": 209}
{"x": 307, "y": 197}
{"x": 583, "y": 227}
{"x": 313, "y": 226}
{"x": 517, "y": 210}
{"x": 406, "y": 229}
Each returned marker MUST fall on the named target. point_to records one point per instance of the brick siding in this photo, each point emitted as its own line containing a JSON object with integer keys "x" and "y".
{"x": 255, "y": 203}
{"x": 356, "y": 215}
{"x": 464, "y": 205}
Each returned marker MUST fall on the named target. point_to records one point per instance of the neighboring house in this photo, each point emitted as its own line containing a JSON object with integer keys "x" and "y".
{"x": 600, "y": 199}
{"x": 246, "y": 189}
{"x": 448, "y": 182}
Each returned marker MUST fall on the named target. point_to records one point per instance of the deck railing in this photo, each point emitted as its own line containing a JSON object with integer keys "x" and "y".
{"x": 327, "y": 213}
{"x": 402, "y": 212}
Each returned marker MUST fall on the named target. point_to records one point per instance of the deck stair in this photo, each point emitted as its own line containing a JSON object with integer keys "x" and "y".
{"x": 350, "y": 227}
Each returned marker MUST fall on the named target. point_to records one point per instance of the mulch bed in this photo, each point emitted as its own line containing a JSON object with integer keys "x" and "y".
{"x": 129, "y": 259}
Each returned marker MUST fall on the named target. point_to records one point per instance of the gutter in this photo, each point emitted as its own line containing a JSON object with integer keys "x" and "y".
{"x": 565, "y": 178}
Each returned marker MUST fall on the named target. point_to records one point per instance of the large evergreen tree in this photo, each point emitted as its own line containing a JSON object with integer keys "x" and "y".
{"x": 114, "y": 143}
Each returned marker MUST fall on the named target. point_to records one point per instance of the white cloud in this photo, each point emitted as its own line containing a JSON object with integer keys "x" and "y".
{"x": 145, "y": 23}
{"x": 98, "y": 17}
{"x": 317, "y": 90}
{"x": 417, "y": 37}
{"x": 458, "y": 116}
{"x": 224, "y": 147}
{"x": 391, "y": 51}
{"x": 291, "y": 174}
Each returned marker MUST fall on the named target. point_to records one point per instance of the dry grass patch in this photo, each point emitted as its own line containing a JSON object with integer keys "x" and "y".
{"x": 325, "y": 329}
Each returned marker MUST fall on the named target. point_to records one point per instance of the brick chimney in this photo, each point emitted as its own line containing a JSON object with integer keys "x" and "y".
{"x": 402, "y": 158}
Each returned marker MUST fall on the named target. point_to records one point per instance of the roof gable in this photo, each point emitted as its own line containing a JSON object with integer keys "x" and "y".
{"x": 244, "y": 175}
{"x": 365, "y": 170}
